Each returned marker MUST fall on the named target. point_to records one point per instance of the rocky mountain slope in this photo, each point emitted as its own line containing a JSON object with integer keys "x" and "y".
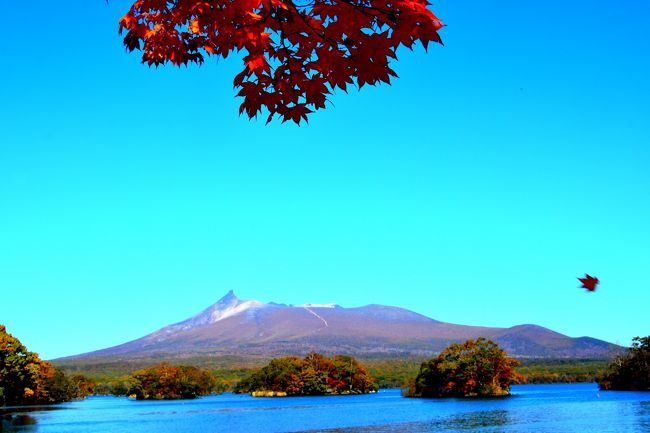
{"x": 246, "y": 327}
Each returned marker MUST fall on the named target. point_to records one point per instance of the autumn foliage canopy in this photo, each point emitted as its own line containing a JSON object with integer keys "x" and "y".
{"x": 475, "y": 368}
{"x": 25, "y": 379}
{"x": 170, "y": 382}
{"x": 296, "y": 52}
{"x": 314, "y": 374}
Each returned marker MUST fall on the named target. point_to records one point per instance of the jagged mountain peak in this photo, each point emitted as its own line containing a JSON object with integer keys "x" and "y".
{"x": 228, "y": 298}
{"x": 228, "y": 306}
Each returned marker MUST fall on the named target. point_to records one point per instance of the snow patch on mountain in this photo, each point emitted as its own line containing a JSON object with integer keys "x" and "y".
{"x": 233, "y": 310}
{"x": 225, "y": 307}
{"x": 317, "y": 315}
{"x": 318, "y": 306}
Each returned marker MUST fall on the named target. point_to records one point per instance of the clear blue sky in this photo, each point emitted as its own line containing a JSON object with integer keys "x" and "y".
{"x": 474, "y": 190}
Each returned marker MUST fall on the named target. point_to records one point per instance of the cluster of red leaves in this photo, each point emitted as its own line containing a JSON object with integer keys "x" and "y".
{"x": 295, "y": 53}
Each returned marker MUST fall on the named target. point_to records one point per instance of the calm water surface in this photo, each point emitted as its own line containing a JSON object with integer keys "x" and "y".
{"x": 531, "y": 408}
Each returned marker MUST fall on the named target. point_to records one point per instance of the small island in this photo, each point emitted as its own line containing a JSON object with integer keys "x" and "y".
{"x": 475, "y": 368}
{"x": 631, "y": 370}
{"x": 314, "y": 374}
{"x": 170, "y": 382}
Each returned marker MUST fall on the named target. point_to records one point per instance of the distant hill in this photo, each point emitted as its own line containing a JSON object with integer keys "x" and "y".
{"x": 251, "y": 328}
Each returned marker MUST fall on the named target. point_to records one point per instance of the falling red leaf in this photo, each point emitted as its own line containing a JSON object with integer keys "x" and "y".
{"x": 589, "y": 282}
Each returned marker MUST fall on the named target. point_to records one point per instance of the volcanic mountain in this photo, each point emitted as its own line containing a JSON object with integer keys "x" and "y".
{"x": 246, "y": 327}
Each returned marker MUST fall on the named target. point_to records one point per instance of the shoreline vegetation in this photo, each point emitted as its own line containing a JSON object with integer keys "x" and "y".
{"x": 475, "y": 368}
{"x": 170, "y": 382}
{"x": 314, "y": 374}
{"x": 630, "y": 370}
{"x": 268, "y": 394}
{"x": 27, "y": 380}
{"x": 388, "y": 372}
{"x": 111, "y": 377}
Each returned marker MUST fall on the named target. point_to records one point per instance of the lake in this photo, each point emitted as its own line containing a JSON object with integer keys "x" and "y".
{"x": 531, "y": 408}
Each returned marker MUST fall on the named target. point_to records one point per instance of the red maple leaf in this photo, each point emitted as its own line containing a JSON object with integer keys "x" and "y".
{"x": 589, "y": 282}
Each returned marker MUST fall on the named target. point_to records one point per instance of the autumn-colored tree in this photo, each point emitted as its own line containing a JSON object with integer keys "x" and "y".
{"x": 350, "y": 375}
{"x": 279, "y": 375}
{"x": 316, "y": 370}
{"x": 283, "y": 374}
{"x": 170, "y": 382}
{"x": 26, "y": 379}
{"x": 22, "y": 373}
{"x": 474, "y": 368}
{"x": 313, "y": 375}
{"x": 631, "y": 370}
{"x": 296, "y": 51}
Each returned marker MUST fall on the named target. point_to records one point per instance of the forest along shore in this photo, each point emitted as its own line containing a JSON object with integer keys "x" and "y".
{"x": 388, "y": 372}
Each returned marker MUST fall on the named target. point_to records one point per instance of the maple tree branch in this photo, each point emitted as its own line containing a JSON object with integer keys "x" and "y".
{"x": 361, "y": 8}
{"x": 332, "y": 43}
{"x": 289, "y": 55}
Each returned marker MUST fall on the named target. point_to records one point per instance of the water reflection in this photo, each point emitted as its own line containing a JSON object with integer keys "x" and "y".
{"x": 643, "y": 415}
{"x": 534, "y": 409}
{"x": 17, "y": 422}
{"x": 476, "y": 420}
{"x": 237, "y": 410}
{"x": 471, "y": 421}
{"x": 17, "y": 418}
{"x": 10, "y": 410}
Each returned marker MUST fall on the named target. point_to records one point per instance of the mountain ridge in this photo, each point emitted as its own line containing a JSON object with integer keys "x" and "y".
{"x": 233, "y": 326}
